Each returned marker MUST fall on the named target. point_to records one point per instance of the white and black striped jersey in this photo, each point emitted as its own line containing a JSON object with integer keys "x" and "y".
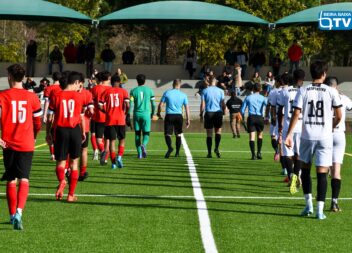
{"x": 346, "y": 105}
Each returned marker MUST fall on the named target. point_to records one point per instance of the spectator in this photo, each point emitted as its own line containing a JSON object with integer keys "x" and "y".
{"x": 128, "y": 56}
{"x": 230, "y": 56}
{"x": 90, "y": 55}
{"x": 70, "y": 53}
{"x": 81, "y": 52}
{"x": 42, "y": 85}
{"x": 107, "y": 56}
{"x": 256, "y": 78}
{"x": 229, "y": 68}
{"x": 203, "y": 71}
{"x": 224, "y": 80}
{"x": 242, "y": 59}
{"x": 269, "y": 82}
{"x": 31, "y": 53}
{"x": 123, "y": 77}
{"x": 295, "y": 54}
{"x": 258, "y": 61}
{"x": 191, "y": 62}
{"x": 234, "y": 105}
{"x": 29, "y": 84}
{"x": 55, "y": 57}
{"x": 276, "y": 64}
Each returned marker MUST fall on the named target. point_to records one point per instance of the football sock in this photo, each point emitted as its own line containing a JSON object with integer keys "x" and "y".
{"x": 11, "y": 195}
{"x": 51, "y": 147}
{"x": 113, "y": 157}
{"x": 22, "y": 194}
{"x": 73, "y": 182}
{"x": 209, "y": 144}
{"x": 297, "y": 167}
{"x": 121, "y": 150}
{"x": 217, "y": 141}
{"x": 320, "y": 206}
{"x": 252, "y": 146}
{"x": 101, "y": 146}
{"x": 289, "y": 165}
{"x": 137, "y": 140}
{"x": 145, "y": 139}
{"x": 259, "y": 144}
{"x": 306, "y": 181}
{"x": 168, "y": 141}
{"x": 321, "y": 186}
{"x": 282, "y": 162}
{"x": 178, "y": 143}
{"x": 93, "y": 140}
{"x": 107, "y": 155}
{"x": 60, "y": 173}
{"x": 274, "y": 144}
{"x": 309, "y": 200}
{"x": 335, "y": 188}
{"x": 82, "y": 170}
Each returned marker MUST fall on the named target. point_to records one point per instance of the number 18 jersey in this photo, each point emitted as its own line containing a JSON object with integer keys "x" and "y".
{"x": 317, "y": 102}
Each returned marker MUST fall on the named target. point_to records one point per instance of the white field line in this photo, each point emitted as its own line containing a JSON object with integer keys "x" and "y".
{"x": 204, "y": 220}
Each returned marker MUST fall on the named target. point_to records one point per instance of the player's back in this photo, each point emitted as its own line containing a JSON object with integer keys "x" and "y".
{"x": 97, "y": 92}
{"x": 142, "y": 96}
{"x": 51, "y": 90}
{"x": 213, "y": 96}
{"x": 114, "y": 99}
{"x": 18, "y": 107}
{"x": 174, "y": 100}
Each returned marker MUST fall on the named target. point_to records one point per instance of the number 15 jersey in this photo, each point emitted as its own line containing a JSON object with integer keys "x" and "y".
{"x": 316, "y": 102}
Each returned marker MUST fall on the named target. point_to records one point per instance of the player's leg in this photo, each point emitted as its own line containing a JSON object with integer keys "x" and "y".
{"x": 146, "y": 127}
{"x": 218, "y": 117}
{"x": 238, "y": 119}
{"x": 110, "y": 137}
{"x": 274, "y": 142}
{"x": 83, "y": 174}
{"x": 251, "y": 131}
{"x": 99, "y": 134}
{"x": 209, "y": 125}
{"x": 168, "y": 131}
{"x": 137, "y": 136}
{"x": 178, "y": 125}
{"x": 233, "y": 124}
{"x": 51, "y": 146}
{"x": 10, "y": 177}
{"x": 121, "y": 136}
{"x": 259, "y": 144}
{"x": 61, "y": 145}
{"x": 93, "y": 140}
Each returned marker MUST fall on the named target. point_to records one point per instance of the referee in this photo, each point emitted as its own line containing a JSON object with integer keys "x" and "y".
{"x": 255, "y": 121}
{"x": 214, "y": 106}
{"x": 174, "y": 100}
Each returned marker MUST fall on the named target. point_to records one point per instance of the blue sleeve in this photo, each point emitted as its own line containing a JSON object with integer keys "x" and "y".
{"x": 244, "y": 106}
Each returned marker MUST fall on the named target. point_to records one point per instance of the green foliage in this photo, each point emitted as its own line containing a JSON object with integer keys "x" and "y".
{"x": 11, "y": 52}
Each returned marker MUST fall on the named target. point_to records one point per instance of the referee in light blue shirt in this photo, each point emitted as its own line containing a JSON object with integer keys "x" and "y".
{"x": 255, "y": 121}
{"x": 214, "y": 106}
{"x": 174, "y": 100}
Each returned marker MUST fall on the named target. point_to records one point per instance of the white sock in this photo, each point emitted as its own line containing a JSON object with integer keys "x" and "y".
{"x": 19, "y": 210}
{"x": 334, "y": 200}
{"x": 309, "y": 200}
{"x": 320, "y": 207}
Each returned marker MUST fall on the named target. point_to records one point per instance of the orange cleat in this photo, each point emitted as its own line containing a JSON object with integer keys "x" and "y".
{"x": 286, "y": 180}
{"x": 60, "y": 190}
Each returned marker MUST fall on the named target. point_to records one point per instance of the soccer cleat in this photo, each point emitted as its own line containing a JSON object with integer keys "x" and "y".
{"x": 177, "y": 154}
{"x": 284, "y": 172}
{"x": 139, "y": 156}
{"x": 307, "y": 211}
{"x": 168, "y": 153}
{"x": 320, "y": 216}
{"x": 12, "y": 219}
{"x": 259, "y": 156}
{"x": 238, "y": 136}
{"x": 217, "y": 152}
{"x": 276, "y": 157}
{"x": 71, "y": 198}
{"x": 102, "y": 158}
{"x": 17, "y": 222}
{"x": 144, "y": 151}
{"x": 234, "y": 136}
{"x": 113, "y": 166}
{"x": 254, "y": 157}
{"x": 84, "y": 177}
{"x": 286, "y": 180}
{"x": 60, "y": 190}
{"x": 96, "y": 155}
{"x": 293, "y": 184}
{"x": 335, "y": 207}
{"x": 209, "y": 156}
{"x": 119, "y": 162}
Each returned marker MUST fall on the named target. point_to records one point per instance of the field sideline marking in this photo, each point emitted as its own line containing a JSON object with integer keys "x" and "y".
{"x": 204, "y": 220}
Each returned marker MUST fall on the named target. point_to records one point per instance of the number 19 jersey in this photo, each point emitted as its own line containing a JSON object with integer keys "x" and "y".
{"x": 316, "y": 102}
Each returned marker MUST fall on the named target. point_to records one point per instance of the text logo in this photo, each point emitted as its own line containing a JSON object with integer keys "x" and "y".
{"x": 335, "y": 20}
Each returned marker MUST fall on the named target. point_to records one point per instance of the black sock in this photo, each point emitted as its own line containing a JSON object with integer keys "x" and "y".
{"x": 217, "y": 141}
{"x": 289, "y": 165}
{"x": 335, "y": 188}
{"x": 306, "y": 181}
{"x": 259, "y": 144}
{"x": 178, "y": 144}
{"x": 297, "y": 167}
{"x": 209, "y": 143}
{"x": 274, "y": 144}
{"x": 168, "y": 141}
{"x": 282, "y": 162}
{"x": 322, "y": 186}
{"x": 251, "y": 145}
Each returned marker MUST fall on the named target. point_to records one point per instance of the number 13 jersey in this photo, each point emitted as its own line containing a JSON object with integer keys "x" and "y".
{"x": 316, "y": 102}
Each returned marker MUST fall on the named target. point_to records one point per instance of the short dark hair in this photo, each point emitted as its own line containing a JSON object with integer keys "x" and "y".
{"x": 299, "y": 75}
{"x": 16, "y": 72}
{"x": 56, "y": 76}
{"x": 318, "y": 68}
{"x": 115, "y": 79}
{"x": 103, "y": 76}
{"x": 331, "y": 80}
{"x": 285, "y": 78}
{"x": 64, "y": 79}
{"x": 74, "y": 77}
{"x": 257, "y": 87}
{"x": 140, "y": 79}
{"x": 176, "y": 82}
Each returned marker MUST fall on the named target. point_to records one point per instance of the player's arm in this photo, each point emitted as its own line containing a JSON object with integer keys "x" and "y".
{"x": 49, "y": 137}
{"x": 188, "y": 120}
{"x": 101, "y": 106}
{"x": 223, "y": 105}
{"x": 202, "y": 108}
{"x": 160, "y": 106}
{"x": 2, "y": 142}
{"x": 273, "y": 115}
{"x": 338, "y": 116}
{"x": 131, "y": 104}
{"x": 280, "y": 117}
{"x": 152, "y": 103}
{"x": 37, "y": 123}
{"x": 46, "y": 106}
{"x": 293, "y": 122}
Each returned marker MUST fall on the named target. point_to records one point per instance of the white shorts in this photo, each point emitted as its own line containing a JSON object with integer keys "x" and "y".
{"x": 295, "y": 148}
{"x": 274, "y": 130}
{"x": 321, "y": 149}
{"x": 339, "y": 145}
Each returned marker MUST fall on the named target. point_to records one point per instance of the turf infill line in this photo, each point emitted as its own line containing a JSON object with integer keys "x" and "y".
{"x": 204, "y": 220}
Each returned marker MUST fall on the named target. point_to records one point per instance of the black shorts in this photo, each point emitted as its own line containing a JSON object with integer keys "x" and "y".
{"x": 213, "y": 120}
{"x": 67, "y": 141}
{"x": 255, "y": 123}
{"x": 99, "y": 130}
{"x": 173, "y": 123}
{"x": 17, "y": 164}
{"x": 113, "y": 132}
{"x": 86, "y": 142}
{"x": 92, "y": 126}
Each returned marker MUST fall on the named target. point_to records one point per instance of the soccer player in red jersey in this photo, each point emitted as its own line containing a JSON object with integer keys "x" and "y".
{"x": 115, "y": 102}
{"x": 48, "y": 93}
{"x": 99, "y": 116}
{"x": 67, "y": 107}
{"x": 20, "y": 113}
{"x": 88, "y": 101}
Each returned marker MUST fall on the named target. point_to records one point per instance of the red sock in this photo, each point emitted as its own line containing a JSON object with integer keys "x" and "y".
{"x": 67, "y": 166}
{"x": 93, "y": 140}
{"x": 107, "y": 155}
{"x": 121, "y": 150}
{"x": 11, "y": 196}
{"x": 101, "y": 147}
{"x": 73, "y": 182}
{"x": 51, "y": 147}
{"x": 82, "y": 170}
{"x": 113, "y": 157}
{"x": 22, "y": 194}
{"x": 60, "y": 173}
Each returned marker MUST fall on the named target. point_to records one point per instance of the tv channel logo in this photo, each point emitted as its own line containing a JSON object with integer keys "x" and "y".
{"x": 335, "y": 20}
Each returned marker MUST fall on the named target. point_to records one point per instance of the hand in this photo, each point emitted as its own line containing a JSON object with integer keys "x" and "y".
{"x": 159, "y": 115}
{"x": 188, "y": 123}
{"x": 49, "y": 139}
{"x": 128, "y": 120}
{"x": 45, "y": 119}
{"x": 84, "y": 137}
{"x": 289, "y": 141}
{"x": 3, "y": 143}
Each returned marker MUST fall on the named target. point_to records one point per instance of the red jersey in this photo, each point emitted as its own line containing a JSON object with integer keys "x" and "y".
{"x": 68, "y": 106}
{"x": 50, "y": 91}
{"x": 97, "y": 93}
{"x": 88, "y": 102}
{"x": 19, "y": 109}
{"x": 114, "y": 99}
